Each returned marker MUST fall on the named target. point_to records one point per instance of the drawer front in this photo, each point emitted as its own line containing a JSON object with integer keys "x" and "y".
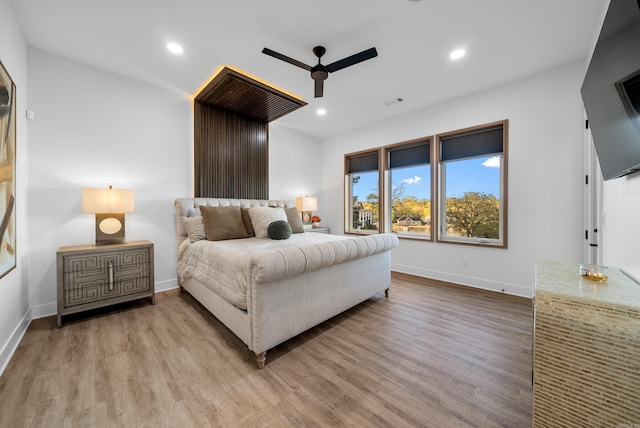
{"x": 92, "y": 277}
{"x": 90, "y": 264}
{"x": 98, "y": 290}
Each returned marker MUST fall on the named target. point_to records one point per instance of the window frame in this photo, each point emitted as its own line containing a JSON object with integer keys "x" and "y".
{"x": 387, "y": 171}
{"x": 441, "y": 189}
{"x": 348, "y": 196}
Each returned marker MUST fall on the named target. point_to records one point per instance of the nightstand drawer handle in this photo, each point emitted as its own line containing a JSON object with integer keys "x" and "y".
{"x": 110, "y": 276}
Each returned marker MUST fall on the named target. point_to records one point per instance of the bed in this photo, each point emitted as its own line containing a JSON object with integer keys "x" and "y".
{"x": 267, "y": 291}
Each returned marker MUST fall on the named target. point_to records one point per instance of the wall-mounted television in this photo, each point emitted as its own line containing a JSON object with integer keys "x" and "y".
{"x": 611, "y": 90}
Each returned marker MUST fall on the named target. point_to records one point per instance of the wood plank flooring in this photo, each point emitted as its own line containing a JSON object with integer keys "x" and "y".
{"x": 431, "y": 355}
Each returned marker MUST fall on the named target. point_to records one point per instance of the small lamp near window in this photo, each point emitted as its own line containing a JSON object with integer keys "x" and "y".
{"x": 306, "y": 206}
{"x": 109, "y": 205}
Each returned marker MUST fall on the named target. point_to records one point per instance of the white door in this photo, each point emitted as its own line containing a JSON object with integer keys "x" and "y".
{"x": 593, "y": 221}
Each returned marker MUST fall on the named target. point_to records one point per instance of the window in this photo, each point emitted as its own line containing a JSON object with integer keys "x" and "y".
{"x": 362, "y": 198}
{"x": 472, "y": 191}
{"x": 408, "y": 189}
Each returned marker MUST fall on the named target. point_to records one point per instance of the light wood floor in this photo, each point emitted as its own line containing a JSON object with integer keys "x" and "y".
{"x": 430, "y": 355}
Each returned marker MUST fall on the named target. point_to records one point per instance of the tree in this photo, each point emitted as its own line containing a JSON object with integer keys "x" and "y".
{"x": 396, "y": 202}
{"x": 474, "y": 215}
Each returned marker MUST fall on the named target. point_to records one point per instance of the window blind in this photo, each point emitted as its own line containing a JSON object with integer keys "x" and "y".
{"x": 409, "y": 156}
{"x": 484, "y": 142}
{"x": 362, "y": 163}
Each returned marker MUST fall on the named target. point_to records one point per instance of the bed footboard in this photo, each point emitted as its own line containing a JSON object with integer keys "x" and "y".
{"x": 283, "y": 309}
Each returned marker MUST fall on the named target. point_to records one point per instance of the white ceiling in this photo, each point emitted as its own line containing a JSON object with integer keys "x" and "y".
{"x": 505, "y": 40}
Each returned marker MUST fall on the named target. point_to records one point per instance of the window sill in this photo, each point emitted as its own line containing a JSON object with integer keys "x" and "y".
{"x": 476, "y": 242}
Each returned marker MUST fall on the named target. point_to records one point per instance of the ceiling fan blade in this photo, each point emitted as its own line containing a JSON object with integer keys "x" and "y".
{"x": 319, "y": 88}
{"x": 353, "y": 59}
{"x": 286, "y": 59}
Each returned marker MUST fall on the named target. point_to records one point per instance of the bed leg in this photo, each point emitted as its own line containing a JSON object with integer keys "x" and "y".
{"x": 260, "y": 359}
{"x": 386, "y": 293}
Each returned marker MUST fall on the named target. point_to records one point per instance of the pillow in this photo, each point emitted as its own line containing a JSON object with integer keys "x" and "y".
{"x": 279, "y": 230}
{"x": 195, "y": 228}
{"x": 222, "y": 223}
{"x": 262, "y": 217}
{"x": 293, "y": 217}
{"x": 247, "y": 221}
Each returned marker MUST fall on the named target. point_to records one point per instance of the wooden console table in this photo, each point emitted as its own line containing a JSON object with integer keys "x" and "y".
{"x": 586, "y": 346}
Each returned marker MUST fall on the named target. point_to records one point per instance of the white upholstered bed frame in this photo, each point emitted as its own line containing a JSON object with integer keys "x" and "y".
{"x": 279, "y": 310}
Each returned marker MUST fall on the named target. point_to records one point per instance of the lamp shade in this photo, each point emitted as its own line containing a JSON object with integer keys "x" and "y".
{"x": 306, "y": 204}
{"x": 99, "y": 200}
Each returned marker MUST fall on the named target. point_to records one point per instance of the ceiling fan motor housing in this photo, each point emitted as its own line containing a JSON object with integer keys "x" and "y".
{"x": 319, "y": 72}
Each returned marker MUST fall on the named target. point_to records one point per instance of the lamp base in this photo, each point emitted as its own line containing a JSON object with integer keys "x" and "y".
{"x": 109, "y": 229}
{"x": 110, "y": 242}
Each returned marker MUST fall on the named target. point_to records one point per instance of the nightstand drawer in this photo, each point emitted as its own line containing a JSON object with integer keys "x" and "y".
{"x": 82, "y": 287}
{"x": 92, "y": 276}
{"x": 99, "y": 262}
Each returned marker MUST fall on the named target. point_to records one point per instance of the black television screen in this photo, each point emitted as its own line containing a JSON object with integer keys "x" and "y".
{"x": 611, "y": 90}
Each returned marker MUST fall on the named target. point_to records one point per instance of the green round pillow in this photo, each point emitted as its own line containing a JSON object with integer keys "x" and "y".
{"x": 279, "y": 230}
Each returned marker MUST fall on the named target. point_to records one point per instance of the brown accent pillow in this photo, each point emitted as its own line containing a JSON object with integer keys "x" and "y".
{"x": 294, "y": 219}
{"x": 223, "y": 223}
{"x": 247, "y": 221}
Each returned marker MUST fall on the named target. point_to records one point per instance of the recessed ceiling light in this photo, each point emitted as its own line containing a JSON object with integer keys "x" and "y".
{"x": 321, "y": 112}
{"x": 174, "y": 48}
{"x": 457, "y": 54}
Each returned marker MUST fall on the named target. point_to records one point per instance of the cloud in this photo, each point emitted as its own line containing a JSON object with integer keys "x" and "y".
{"x": 413, "y": 180}
{"x": 492, "y": 162}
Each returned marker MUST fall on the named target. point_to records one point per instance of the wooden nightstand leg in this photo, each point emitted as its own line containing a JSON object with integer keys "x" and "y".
{"x": 153, "y": 299}
{"x": 59, "y": 321}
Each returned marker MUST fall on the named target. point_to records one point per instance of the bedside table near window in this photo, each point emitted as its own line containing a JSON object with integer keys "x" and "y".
{"x": 91, "y": 276}
{"x": 319, "y": 230}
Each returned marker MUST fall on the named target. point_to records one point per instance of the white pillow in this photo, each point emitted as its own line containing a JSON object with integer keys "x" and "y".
{"x": 262, "y": 217}
{"x": 195, "y": 228}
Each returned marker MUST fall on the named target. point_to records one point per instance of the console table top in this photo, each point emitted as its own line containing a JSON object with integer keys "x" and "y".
{"x": 563, "y": 279}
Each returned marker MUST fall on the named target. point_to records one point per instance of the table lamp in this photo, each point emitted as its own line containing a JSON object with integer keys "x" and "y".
{"x": 109, "y": 205}
{"x": 306, "y": 206}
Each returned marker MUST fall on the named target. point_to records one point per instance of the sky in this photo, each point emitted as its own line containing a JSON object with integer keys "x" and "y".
{"x": 478, "y": 175}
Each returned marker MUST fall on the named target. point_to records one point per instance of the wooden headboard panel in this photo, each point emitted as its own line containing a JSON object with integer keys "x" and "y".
{"x": 231, "y": 154}
{"x": 231, "y": 134}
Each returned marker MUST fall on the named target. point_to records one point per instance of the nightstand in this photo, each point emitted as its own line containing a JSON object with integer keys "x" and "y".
{"x": 319, "y": 230}
{"x": 91, "y": 277}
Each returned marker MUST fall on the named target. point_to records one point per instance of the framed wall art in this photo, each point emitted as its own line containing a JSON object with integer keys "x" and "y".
{"x": 7, "y": 172}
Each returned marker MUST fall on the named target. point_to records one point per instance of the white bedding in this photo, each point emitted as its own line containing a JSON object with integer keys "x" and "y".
{"x": 225, "y": 266}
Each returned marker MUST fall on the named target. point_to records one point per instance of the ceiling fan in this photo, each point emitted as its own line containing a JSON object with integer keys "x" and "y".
{"x": 319, "y": 72}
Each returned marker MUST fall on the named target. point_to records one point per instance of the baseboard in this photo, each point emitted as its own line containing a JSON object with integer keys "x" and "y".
{"x": 483, "y": 284}
{"x": 45, "y": 310}
{"x": 14, "y": 340}
{"x": 167, "y": 285}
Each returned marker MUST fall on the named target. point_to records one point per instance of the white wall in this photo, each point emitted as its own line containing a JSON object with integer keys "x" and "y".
{"x": 93, "y": 128}
{"x": 295, "y": 169}
{"x": 621, "y": 237}
{"x": 14, "y": 301}
{"x": 545, "y": 179}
